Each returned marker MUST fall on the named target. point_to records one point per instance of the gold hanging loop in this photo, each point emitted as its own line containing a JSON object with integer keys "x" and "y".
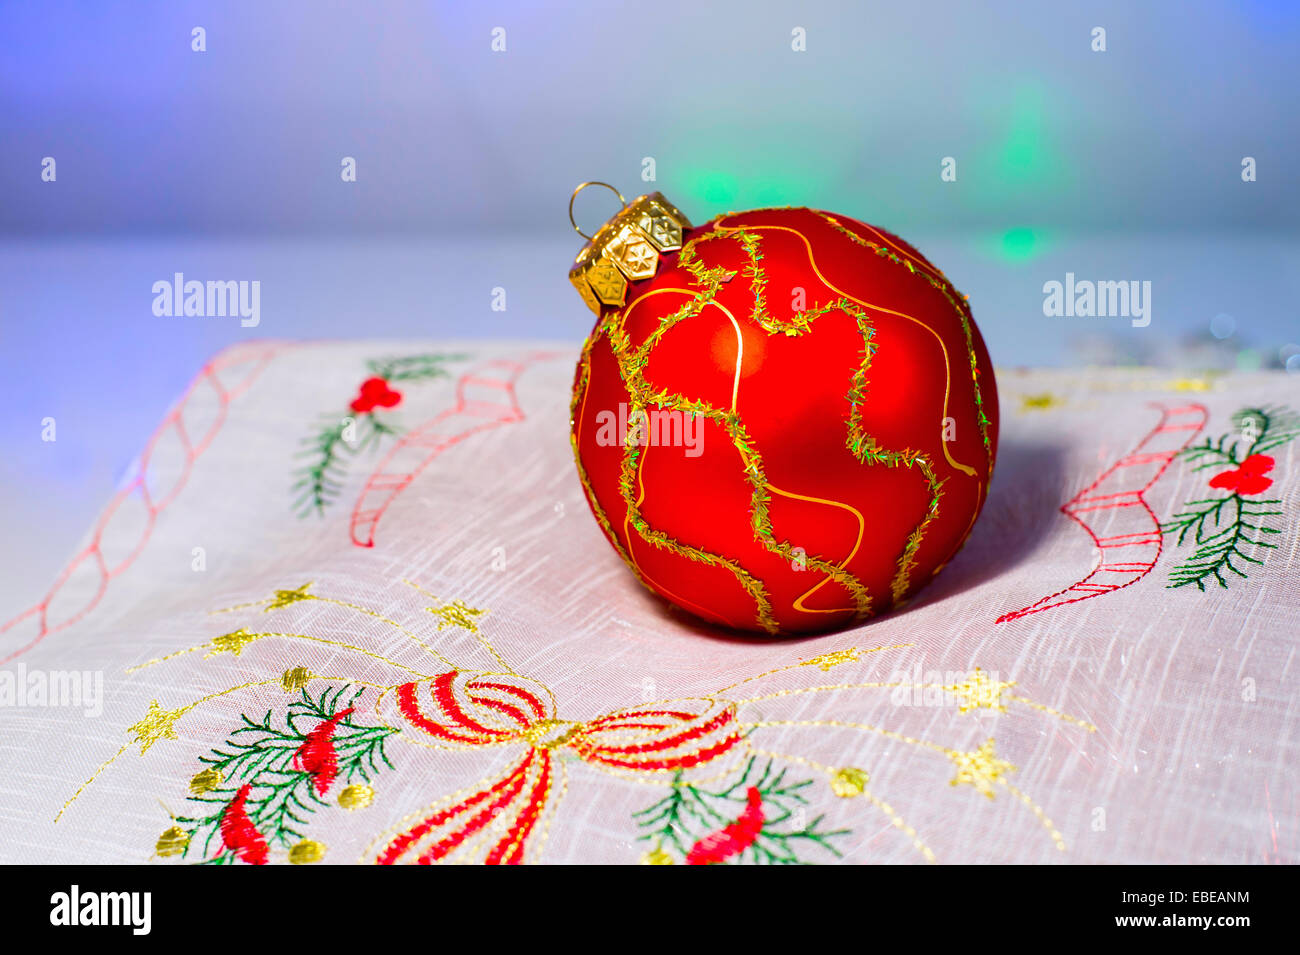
{"x": 627, "y": 248}
{"x": 582, "y": 186}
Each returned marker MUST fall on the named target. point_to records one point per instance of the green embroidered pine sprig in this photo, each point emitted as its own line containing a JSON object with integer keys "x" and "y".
{"x": 320, "y": 480}
{"x": 1274, "y": 425}
{"x": 680, "y": 823}
{"x": 1255, "y": 430}
{"x": 285, "y": 789}
{"x": 412, "y": 367}
{"x": 363, "y": 426}
{"x": 1230, "y": 533}
{"x": 1221, "y": 527}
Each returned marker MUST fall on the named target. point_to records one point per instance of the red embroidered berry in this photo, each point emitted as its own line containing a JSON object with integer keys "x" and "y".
{"x": 375, "y": 393}
{"x": 734, "y": 839}
{"x": 1246, "y": 478}
{"x": 317, "y": 756}
{"x": 238, "y": 832}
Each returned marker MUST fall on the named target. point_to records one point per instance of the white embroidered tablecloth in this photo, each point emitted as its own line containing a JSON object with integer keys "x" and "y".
{"x": 346, "y": 622}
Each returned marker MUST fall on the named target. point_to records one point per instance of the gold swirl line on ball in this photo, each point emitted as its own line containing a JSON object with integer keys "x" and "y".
{"x": 740, "y": 353}
{"x": 583, "y": 384}
{"x": 947, "y": 362}
{"x": 922, "y": 263}
{"x": 710, "y": 279}
{"x": 740, "y": 342}
{"x": 945, "y": 287}
{"x": 640, "y": 485}
{"x": 799, "y": 601}
{"x": 797, "y": 324}
{"x": 641, "y": 394}
{"x": 907, "y": 562}
{"x": 862, "y": 527}
{"x": 768, "y": 538}
{"x": 657, "y": 538}
{"x": 860, "y": 444}
{"x": 735, "y": 391}
{"x": 900, "y": 582}
{"x": 577, "y": 410}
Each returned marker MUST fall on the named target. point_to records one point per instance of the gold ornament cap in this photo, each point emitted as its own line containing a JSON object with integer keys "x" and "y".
{"x": 626, "y": 248}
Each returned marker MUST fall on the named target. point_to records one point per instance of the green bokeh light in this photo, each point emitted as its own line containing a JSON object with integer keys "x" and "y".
{"x": 733, "y": 168}
{"x": 1019, "y": 245}
{"x": 1024, "y": 156}
{"x": 712, "y": 187}
{"x": 1248, "y": 359}
{"x": 1018, "y": 161}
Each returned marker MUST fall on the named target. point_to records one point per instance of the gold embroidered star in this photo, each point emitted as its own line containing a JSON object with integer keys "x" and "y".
{"x": 284, "y": 598}
{"x": 833, "y": 659}
{"x": 980, "y": 768}
{"x": 457, "y": 614}
{"x": 978, "y": 692}
{"x": 157, "y": 724}
{"x": 232, "y": 643}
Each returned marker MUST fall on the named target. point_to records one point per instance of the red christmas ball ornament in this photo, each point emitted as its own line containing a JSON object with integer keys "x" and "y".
{"x": 784, "y": 420}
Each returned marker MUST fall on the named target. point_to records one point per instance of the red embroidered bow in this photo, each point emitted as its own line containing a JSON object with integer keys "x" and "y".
{"x": 482, "y": 710}
{"x": 1247, "y": 477}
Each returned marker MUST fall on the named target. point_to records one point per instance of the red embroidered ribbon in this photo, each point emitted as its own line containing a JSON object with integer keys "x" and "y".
{"x": 481, "y": 710}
